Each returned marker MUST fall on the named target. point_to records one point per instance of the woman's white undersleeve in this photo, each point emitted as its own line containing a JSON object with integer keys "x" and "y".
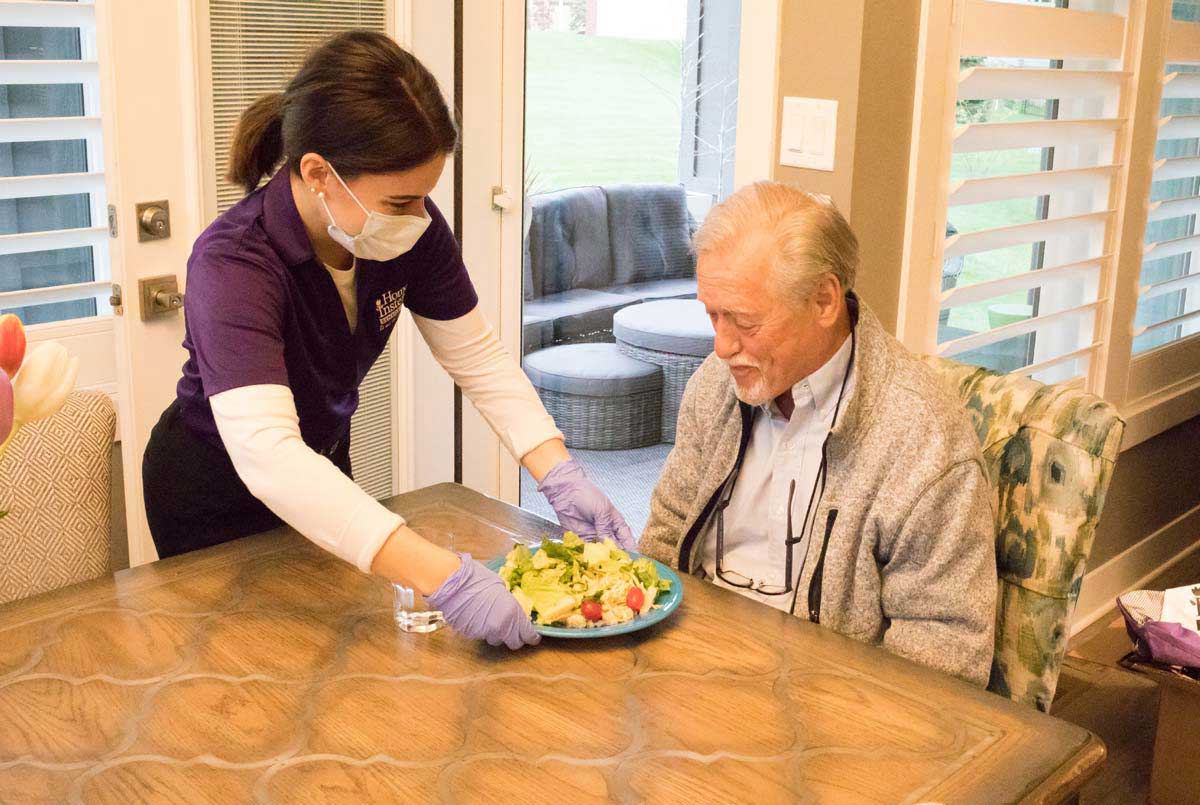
{"x": 471, "y": 353}
{"x": 261, "y": 432}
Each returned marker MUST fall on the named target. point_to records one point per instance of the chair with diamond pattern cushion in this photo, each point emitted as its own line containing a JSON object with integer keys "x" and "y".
{"x": 54, "y": 483}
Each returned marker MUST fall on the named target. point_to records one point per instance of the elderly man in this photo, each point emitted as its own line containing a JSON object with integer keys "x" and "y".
{"x": 818, "y": 466}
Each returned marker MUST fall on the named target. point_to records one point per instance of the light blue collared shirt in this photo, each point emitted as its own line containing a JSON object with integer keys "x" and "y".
{"x": 781, "y": 450}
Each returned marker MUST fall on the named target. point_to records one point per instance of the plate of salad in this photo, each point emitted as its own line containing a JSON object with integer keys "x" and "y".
{"x": 572, "y": 588}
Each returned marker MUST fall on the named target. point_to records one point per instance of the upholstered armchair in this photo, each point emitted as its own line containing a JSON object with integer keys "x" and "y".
{"x": 1050, "y": 453}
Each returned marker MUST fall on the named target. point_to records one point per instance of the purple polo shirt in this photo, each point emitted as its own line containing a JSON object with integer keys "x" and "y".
{"x": 260, "y": 308}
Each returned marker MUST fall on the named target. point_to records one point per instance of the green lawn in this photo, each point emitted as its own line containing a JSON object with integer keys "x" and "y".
{"x": 600, "y": 110}
{"x": 974, "y": 217}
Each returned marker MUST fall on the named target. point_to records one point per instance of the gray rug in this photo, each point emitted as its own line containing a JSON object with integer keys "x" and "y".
{"x": 627, "y": 476}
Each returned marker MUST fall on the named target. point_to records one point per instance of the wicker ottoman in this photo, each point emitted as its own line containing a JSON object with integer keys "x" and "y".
{"x": 672, "y": 333}
{"x": 599, "y": 398}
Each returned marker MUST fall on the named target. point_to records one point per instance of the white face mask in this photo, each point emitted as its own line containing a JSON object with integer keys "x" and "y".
{"x": 383, "y": 237}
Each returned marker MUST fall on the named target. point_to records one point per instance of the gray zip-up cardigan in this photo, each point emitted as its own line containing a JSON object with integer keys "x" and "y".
{"x": 909, "y": 562}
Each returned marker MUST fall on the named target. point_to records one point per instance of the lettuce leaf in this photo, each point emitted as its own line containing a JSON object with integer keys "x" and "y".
{"x": 561, "y": 552}
{"x": 544, "y": 592}
{"x": 645, "y": 572}
{"x": 518, "y": 562}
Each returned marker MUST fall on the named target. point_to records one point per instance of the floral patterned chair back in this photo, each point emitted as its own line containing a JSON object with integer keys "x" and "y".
{"x": 1050, "y": 453}
{"x": 54, "y": 483}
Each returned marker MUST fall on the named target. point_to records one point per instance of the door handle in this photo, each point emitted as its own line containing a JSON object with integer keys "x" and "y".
{"x": 160, "y": 296}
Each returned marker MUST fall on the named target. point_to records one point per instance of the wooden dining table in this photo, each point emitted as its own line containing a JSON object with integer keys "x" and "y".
{"x": 266, "y": 670}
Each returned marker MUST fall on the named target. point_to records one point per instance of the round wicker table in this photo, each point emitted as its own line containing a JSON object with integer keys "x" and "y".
{"x": 672, "y": 333}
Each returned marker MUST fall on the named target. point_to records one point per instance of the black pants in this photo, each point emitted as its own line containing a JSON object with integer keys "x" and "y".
{"x": 194, "y": 498}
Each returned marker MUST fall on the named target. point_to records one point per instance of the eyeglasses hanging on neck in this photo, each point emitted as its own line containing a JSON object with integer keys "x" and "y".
{"x": 740, "y": 581}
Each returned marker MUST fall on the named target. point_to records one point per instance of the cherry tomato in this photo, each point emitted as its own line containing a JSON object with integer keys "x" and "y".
{"x": 592, "y": 610}
{"x": 635, "y": 599}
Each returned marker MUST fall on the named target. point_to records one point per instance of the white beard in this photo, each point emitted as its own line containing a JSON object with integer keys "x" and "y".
{"x": 757, "y": 393}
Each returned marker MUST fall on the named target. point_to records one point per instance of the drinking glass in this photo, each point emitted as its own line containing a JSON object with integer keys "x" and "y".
{"x": 412, "y": 613}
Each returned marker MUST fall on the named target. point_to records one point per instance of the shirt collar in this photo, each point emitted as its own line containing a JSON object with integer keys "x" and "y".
{"x": 824, "y": 385}
{"x": 282, "y": 221}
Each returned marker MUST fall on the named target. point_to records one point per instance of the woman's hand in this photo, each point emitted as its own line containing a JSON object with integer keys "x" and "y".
{"x": 477, "y": 604}
{"x": 583, "y": 507}
{"x": 473, "y": 600}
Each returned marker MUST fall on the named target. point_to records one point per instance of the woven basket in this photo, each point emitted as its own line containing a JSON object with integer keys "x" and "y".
{"x": 606, "y": 423}
{"x": 677, "y": 371}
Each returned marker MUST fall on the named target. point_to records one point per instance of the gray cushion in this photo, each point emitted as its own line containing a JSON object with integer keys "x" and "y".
{"x": 568, "y": 242}
{"x": 675, "y": 326}
{"x": 536, "y": 332}
{"x": 572, "y": 303}
{"x": 651, "y": 237}
{"x": 682, "y": 288}
{"x": 592, "y": 370}
{"x": 578, "y": 315}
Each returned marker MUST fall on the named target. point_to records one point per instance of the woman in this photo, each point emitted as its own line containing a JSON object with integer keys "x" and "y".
{"x": 291, "y": 296}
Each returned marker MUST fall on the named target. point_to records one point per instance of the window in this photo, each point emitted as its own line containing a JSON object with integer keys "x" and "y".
{"x": 1039, "y": 153}
{"x": 709, "y": 99}
{"x": 1031, "y": 163}
{"x": 1169, "y": 295}
{"x": 54, "y": 262}
{"x": 624, "y": 92}
{"x": 960, "y": 317}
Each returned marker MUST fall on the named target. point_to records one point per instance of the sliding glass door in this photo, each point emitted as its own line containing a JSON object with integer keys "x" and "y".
{"x": 629, "y": 134}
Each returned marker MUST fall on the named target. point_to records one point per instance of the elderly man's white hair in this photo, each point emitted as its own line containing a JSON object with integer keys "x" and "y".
{"x": 811, "y": 238}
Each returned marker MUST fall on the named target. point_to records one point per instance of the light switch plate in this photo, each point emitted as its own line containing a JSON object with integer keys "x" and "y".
{"x": 808, "y": 136}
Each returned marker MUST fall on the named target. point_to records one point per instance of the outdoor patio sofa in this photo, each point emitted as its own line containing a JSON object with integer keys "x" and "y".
{"x": 591, "y": 251}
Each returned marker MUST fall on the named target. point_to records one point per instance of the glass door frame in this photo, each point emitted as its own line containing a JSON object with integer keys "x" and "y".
{"x": 492, "y": 80}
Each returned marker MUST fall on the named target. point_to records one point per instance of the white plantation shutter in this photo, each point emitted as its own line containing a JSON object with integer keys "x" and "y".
{"x": 1168, "y": 309}
{"x": 256, "y": 47}
{"x": 54, "y": 260}
{"x": 1061, "y": 167}
{"x": 1053, "y": 197}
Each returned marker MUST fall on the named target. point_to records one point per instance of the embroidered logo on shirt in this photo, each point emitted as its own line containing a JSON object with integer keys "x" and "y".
{"x": 388, "y": 307}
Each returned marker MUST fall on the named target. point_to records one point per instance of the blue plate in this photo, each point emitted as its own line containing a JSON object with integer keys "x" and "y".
{"x": 665, "y": 604}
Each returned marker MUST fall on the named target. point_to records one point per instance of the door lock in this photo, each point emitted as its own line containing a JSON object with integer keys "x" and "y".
{"x": 154, "y": 220}
{"x": 160, "y": 296}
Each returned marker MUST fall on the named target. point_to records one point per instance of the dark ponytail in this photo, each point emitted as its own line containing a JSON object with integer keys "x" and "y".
{"x": 360, "y": 101}
{"x": 257, "y": 142}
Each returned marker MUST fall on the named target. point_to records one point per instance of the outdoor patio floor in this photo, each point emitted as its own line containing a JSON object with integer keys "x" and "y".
{"x": 628, "y": 476}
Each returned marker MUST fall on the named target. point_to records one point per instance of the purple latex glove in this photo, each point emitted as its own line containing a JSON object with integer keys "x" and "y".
{"x": 582, "y": 507}
{"x": 477, "y": 605}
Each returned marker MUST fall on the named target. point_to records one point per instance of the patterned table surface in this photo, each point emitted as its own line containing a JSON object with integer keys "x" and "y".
{"x": 265, "y": 670}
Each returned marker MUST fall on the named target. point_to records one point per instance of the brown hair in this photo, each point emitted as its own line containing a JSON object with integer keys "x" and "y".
{"x": 359, "y": 100}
